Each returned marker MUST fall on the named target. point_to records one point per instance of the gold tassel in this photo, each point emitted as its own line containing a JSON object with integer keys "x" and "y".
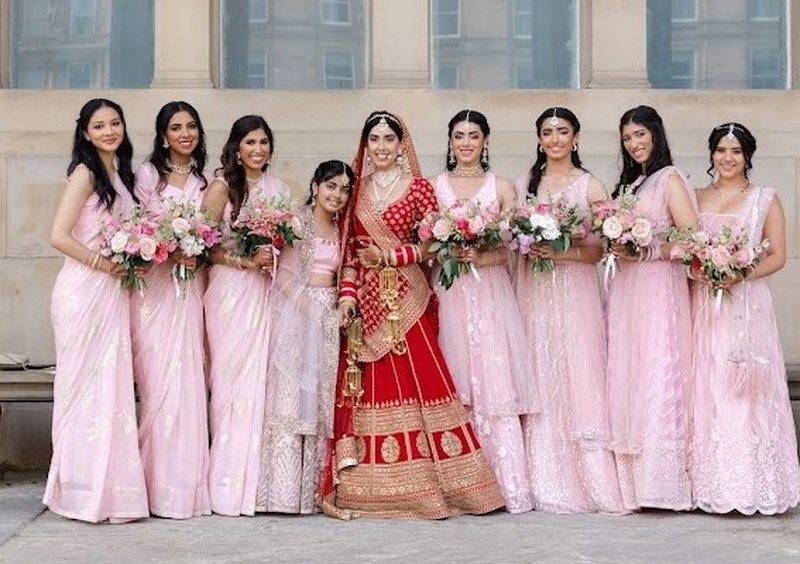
{"x": 353, "y": 386}
{"x": 389, "y": 291}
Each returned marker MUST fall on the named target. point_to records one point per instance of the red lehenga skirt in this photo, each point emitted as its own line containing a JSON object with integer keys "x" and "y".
{"x": 407, "y": 450}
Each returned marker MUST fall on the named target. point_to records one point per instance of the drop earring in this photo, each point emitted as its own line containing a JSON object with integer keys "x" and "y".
{"x": 485, "y": 156}
{"x": 165, "y": 144}
{"x": 451, "y": 158}
{"x": 238, "y": 158}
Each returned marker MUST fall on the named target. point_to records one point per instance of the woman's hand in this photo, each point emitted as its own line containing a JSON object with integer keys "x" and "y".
{"x": 111, "y": 268}
{"x": 466, "y": 254}
{"x": 263, "y": 259}
{"x": 346, "y": 312}
{"x": 623, "y": 252}
{"x": 189, "y": 262}
{"x": 370, "y": 255}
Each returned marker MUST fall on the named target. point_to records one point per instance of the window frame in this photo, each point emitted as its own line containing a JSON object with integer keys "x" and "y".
{"x": 767, "y": 19}
{"x": 435, "y": 14}
{"x": 322, "y": 15}
{"x": 692, "y": 19}
{"x": 325, "y": 74}
{"x": 527, "y": 14}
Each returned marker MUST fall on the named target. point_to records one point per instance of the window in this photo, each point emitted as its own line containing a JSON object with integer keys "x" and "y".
{"x": 83, "y": 17}
{"x": 684, "y": 11}
{"x": 765, "y": 10}
{"x": 683, "y": 69}
{"x": 307, "y": 45}
{"x": 446, "y": 18}
{"x": 765, "y": 68}
{"x": 258, "y": 11}
{"x": 726, "y": 46}
{"x": 339, "y": 71}
{"x": 335, "y": 12}
{"x": 528, "y": 44}
{"x": 522, "y": 18}
{"x": 446, "y": 77}
{"x": 81, "y": 44}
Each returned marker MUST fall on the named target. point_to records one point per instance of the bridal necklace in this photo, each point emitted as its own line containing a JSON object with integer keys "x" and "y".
{"x": 182, "y": 168}
{"x": 387, "y": 182}
{"x": 725, "y": 192}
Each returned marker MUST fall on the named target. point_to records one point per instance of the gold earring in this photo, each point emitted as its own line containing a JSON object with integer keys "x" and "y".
{"x": 165, "y": 144}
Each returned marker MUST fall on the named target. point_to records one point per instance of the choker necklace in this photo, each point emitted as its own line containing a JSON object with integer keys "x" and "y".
{"x": 467, "y": 171}
{"x": 182, "y": 168}
{"x": 386, "y": 181}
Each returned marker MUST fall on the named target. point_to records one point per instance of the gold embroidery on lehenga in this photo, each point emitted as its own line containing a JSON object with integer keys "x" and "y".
{"x": 390, "y": 450}
{"x": 451, "y": 444}
{"x": 422, "y": 445}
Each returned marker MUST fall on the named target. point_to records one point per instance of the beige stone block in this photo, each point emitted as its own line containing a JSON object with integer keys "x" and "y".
{"x": 3, "y": 209}
{"x": 34, "y": 187}
{"x": 786, "y": 300}
{"x": 25, "y": 288}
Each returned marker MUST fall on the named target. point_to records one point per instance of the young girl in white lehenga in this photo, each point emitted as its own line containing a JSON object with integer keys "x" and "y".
{"x": 304, "y": 349}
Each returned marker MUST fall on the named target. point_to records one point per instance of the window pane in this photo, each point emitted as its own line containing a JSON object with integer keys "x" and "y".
{"x": 505, "y": 43}
{"x": 293, "y": 44}
{"x": 684, "y": 10}
{"x": 81, "y": 44}
{"x": 733, "y": 44}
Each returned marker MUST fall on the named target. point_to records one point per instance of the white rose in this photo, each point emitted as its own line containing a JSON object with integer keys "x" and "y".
{"x": 192, "y": 247}
{"x": 119, "y": 241}
{"x": 442, "y": 229}
{"x": 297, "y": 226}
{"x": 612, "y": 227}
{"x": 147, "y": 248}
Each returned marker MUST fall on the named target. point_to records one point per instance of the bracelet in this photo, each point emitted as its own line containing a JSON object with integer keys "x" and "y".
{"x": 651, "y": 253}
{"x": 578, "y": 252}
{"x": 95, "y": 261}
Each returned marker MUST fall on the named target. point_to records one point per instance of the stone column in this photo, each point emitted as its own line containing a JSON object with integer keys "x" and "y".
{"x": 182, "y": 44}
{"x": 400, "y": 44}
{"x": 619, "y": 44}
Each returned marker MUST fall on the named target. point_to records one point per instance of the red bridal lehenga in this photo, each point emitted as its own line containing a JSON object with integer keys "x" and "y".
{"x": 406, "y": 448}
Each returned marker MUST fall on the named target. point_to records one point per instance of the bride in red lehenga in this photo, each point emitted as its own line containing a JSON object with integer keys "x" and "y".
{"x": 403, "y": 445}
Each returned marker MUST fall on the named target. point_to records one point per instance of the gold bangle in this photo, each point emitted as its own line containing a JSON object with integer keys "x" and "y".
{"x": 578, "y": 251}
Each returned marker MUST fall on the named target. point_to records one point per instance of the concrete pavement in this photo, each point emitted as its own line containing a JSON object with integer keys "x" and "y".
{"x": 29, "y": 534}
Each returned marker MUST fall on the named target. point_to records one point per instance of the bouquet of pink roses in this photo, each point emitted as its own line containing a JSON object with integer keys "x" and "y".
{"x": 618, "y": 223}
{"x": 463, "y": 225}
{"x": 186, "y": 228}
{"x": 133, "y": 241}
{"x": 268, "y": 221}
{"x": 718, "y": 258}
{"x": 555, "y": 225}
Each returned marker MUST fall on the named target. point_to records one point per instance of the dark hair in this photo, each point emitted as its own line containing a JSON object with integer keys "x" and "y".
{"x": 375, "y": 117}
{"x": 659, "y": 157}
{"x": 232, "y": 170}
{"x": 83, "y": 152}
{"x": 537, "y": 170}
{"x": 470, "y": 116}
{"x": 160, "y": 154}
{"x": 746, "y": 140}
{"x": 327, "y": 170}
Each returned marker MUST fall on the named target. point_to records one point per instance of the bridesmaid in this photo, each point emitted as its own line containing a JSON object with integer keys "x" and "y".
{"x": 744, "y": 450}
{"x": 649, "y": 328}
{"x": 571, "y": 470}
{"x": 95, "y": 473}
{"x": 481, "y": 332}
{"x": 168, "y": 333}
{"x": 301, "y": 380}
{"x": 237, "y": 321}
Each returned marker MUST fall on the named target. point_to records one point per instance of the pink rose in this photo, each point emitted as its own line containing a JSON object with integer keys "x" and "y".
{"x": 720, "y": 256}
{"x": 180, "y": 226}
{"x": 425, "y": 232}
{"x": 147, "y": 248}
{"x": 642, "y": 231}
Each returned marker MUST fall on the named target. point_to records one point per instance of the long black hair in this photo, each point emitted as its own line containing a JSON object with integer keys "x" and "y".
{"x": 660, "y": 156}
{"x": 232, "y": 170}
{"x": 83, "y": 152}
{"x": 538, "y": 168}
{"x": 470, "y": 116}
{"x": 327, "y": 170}
{"x": 746, "y": 140}
{"x": 160, "y": 154}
